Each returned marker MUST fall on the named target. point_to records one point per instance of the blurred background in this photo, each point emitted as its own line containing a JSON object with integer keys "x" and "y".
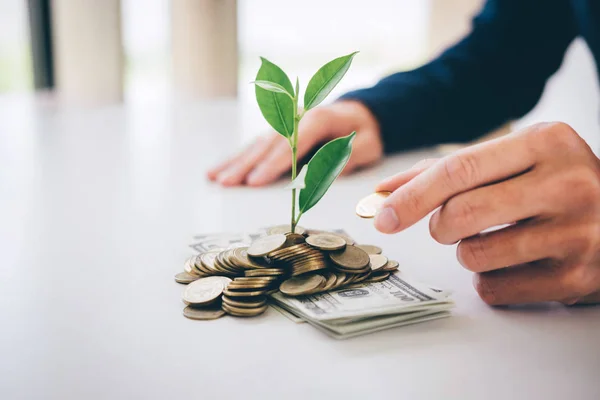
{"x": 100, "y": 53}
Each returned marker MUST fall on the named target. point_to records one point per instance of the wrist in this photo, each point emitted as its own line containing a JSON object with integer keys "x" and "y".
{"x": 358, "y": 113}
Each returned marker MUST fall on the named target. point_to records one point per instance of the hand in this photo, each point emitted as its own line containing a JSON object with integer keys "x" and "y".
{"x": 269, "y": 157}
{"x": 541, "y": 184}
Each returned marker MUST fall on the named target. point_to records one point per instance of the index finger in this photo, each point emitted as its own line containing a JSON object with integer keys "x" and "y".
{"x": 469, "y": 168}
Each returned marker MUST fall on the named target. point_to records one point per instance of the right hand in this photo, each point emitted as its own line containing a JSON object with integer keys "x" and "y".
{"x": 269, "y": 157}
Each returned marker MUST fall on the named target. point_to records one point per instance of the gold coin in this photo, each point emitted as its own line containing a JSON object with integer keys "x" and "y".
{"x": 197, "y": 266}
{"x": 254, "y": 303}
{"x": 243, "y": 312}
{"x": 205, "y": 290}
{"x": 369, "y": 248}
{"x": 226, "y": 259}
{"x": 378, "y": 261}
{"x": 247, "y": 285}
{"x": 240, "y": 255}
{"x": 283, "y": 229}
{"x": 352, "y": 279}
{"x": 288, "y": 250}
{"x": 203, "y": 314}
{"x": 309, "y": 262}
{"x": 207, "y": 261}
{"x": 266, "y": 244}
{"x": 330, "y": 283}
{"x": 232, "y": 261}
{"x": 293, "y": 238}
{"x": 219, "y": 268}
{"x": 377, "y": 277}
{"x": 326, "y": 242}
{"x": 266, "y": 279}
{"x": 300, "y": 285}
{"x": 340, "y": 280}
{"x": 390, "y": 266}
{"x": 185, "y": 278}
{"x": 348, "y": 239}
{"x": 307, "y": 268}
{"x": 264, "y": 272}
{"x": 222, "y": 263}
{"x": 370, "y": 205}
{"x": 362, "y": 277}
{"x": 243, "y": 293}
{"x": 352, "y": 271}
{"x": 188, "y": 266}
{"x": 304, "y": 257}
{"x": 350, "y": 258}
{"x": 262, "y": 279}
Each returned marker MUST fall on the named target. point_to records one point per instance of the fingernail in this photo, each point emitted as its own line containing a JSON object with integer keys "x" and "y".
{"x": 386, "y": 220}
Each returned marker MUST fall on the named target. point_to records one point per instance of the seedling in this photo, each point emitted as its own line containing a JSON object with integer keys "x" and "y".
{"x": 279, "y": 103}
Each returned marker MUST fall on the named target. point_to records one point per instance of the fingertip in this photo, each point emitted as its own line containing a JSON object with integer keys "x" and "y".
{"x": 386, "y": 220}
{"x": 211, "y": 174}
{"x": 228, "y": 179}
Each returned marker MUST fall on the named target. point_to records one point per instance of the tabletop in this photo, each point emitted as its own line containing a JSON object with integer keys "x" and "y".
{"x": 97, "y": 208}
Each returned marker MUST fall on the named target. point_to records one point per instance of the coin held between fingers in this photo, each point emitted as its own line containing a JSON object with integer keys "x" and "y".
{"x": 370, "y": 205}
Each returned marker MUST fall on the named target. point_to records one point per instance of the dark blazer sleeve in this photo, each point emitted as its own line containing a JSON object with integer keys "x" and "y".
{"x": 496, "y": 73}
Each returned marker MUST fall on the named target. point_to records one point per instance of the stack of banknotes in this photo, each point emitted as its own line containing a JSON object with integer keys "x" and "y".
{"x": 351, "y": 311}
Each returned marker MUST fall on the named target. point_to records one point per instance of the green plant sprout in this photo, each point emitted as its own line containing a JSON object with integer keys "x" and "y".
{"x": 278, "y": 102}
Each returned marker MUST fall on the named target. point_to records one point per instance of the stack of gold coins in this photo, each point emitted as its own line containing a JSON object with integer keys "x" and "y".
{"x": 203, "y": 297}
{"x": 246, "y": 297}
{"x": 306, "y": 262}
{"x": 299, "y": 259}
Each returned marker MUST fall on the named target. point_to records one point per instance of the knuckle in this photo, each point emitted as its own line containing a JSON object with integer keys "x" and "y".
{"x": 472, "y": 255}
{"x": 584, "y": 183}
{"x": 558, "y": 136}
{"x": 586, "y": 242}
{"x": 459, "y": 212}
{"x": 577, "y": 279}
{"x": 456, "y": 216}
{"x": 460, "y": 170}
{"x": 485, "y": 289}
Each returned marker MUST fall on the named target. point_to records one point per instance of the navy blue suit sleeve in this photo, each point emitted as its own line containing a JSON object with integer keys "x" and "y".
{"x": 496, "y": 73}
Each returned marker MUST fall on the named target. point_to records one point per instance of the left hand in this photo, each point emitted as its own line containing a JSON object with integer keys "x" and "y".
{"x": 542, "y": 183}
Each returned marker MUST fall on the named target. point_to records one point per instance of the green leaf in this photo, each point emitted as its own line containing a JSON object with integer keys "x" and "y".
{"x": 298, "y": 183}
{"x": 272, "y": 87}
{"x": 322, "y": 170}
{"x": 326, "y": 78}
{"x": 277, "y": 108}
{"x": 297, "y": 87}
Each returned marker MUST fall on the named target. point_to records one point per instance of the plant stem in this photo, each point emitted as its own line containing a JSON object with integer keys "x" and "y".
{"x": 294, "y": 145}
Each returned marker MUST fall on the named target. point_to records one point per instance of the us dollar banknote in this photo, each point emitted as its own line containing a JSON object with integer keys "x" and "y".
{"x": 370, "y": 307}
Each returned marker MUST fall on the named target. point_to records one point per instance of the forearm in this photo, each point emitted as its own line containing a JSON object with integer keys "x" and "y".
{"x": 495, "y": 74}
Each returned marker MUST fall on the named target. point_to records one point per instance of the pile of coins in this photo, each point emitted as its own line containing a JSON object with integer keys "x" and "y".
{"x": 297, "y": 264}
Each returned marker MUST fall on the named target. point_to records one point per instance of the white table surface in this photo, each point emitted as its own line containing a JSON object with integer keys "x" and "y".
{"x": 96, "y": 210}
